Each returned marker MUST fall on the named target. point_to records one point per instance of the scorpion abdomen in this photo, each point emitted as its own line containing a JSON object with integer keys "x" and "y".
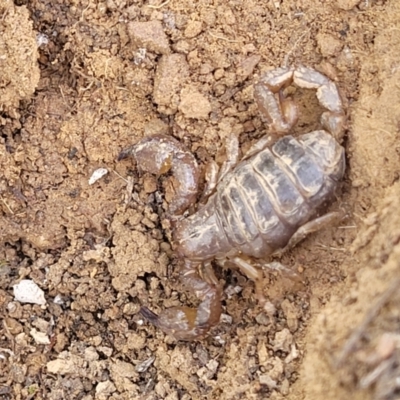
{"x": 269, "y": 196}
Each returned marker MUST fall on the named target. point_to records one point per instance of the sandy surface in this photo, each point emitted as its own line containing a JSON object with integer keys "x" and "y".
{"x": 81, "y": 81}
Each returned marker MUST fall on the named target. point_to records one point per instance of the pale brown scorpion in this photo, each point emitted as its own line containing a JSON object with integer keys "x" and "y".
{"x": 262, "y": 206}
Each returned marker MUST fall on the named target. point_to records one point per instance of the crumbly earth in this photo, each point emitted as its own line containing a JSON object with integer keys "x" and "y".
{"x": 83, "y": 80}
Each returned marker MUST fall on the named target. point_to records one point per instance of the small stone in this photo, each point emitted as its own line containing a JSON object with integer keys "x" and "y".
{"x": 149, "y": 184}
{"x": 193, "y": 29}
{"x": 218, "y": 74}
{"x": 291, "y": 315}
{"x": 230, "y": 291}
{"x": 155, "y": 126}
{"x": 58, "y": 300}
{"x": 205, "y": 69}
{"x": 65, "y": 364}
{"x": 91, "y": 354}
{"x": 283, "y": 340}
{"x": 13, "y": 326}
{"x": 386, "y": 345}
{"x": 107, "y": 351}
{"x": 104, "y": 389}
{"x": 268, "y": 381}
{"x": 135, "y": 341}
{"x": 262, "y": 352}
{"x": 149, "y": 35}
{"x": 263, "y": 319}
{"x": 284, "y": 389}
{"x": 269, "y": 308}
{"x": 248, "y": 126}
{"x": 202, "y": 372}
{"x": 194, "y": 104}
{"x": 246, "y": 67}
{"x": 97, "y": 174}
{"x": 277, "y": 369}
{"x": 294, "y": 353}
{"x": 172, "y": 72}
{"x": 39, "y": 337}
{"x": 328, "y": 45}
{"x": 226, "y": 319}
{"x": 131, "y": 309}
{"x": 21, "y": 340}
{"x": 27, "y": 291}
{"x": 212, "y": 367}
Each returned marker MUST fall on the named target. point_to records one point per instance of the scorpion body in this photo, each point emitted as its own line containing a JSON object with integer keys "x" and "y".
{"x": 258, "y": 206}
{"x": 255, "y": 208}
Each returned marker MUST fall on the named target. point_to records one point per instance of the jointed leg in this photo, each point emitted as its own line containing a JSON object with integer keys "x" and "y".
{"x": 232, "y": 156}
{"x": 311, "y": 227}
{"x": 253, "y": 273}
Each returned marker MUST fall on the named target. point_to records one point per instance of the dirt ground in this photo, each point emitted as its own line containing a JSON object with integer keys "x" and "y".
{"x": 81, "y": 81}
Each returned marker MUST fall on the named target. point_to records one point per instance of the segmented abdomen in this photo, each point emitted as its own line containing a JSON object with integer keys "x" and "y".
{"x": 270, "y": 195}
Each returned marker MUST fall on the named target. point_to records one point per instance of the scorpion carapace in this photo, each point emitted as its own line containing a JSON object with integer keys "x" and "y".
{"x": 260, "y": 207}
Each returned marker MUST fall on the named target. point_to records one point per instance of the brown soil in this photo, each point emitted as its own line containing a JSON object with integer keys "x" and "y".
{"x": 81, "y": 81}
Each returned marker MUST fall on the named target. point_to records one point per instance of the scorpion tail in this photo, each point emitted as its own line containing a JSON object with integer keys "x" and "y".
{"x": 158, "y": 154}
{"x": 186, "y": 323}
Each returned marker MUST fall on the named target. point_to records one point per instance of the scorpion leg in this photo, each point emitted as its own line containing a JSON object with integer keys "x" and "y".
{"x": 253, "y": 273}
{"x": 186, "y": 323}
{"x": 259, "y": 145}
{"x": 157, "y": 154}
{"x": 333, "y": 120}
{"x": 232, "y": 156}
{"x": 311, "y": 227}
{"x": 211, "y": 175}
{"x": 214, "y": 174}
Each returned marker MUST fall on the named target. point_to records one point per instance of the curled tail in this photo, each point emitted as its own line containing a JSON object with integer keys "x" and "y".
{"x": 186, "y": 323}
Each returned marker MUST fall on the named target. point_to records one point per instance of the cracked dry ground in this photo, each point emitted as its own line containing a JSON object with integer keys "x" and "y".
{"x": 82, "y": 80}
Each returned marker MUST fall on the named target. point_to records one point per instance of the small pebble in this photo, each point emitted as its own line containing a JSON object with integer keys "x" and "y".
{"x": 268, "y": 381}
{"x": 27, "y": 291}
{"x": 97, "y": 174}
{"x": 194, "y": 104}
{"x": 39, "y": 337}
{"x": 149, "y": 35}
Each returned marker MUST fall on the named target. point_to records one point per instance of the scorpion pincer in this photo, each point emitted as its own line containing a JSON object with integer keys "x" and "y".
{"x": 258, "y": 207}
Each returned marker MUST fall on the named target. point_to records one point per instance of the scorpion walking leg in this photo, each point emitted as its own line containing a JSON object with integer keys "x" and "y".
{"x": 186, "y": 323}
{"x": 214, "y": 174}
{"x": 232, "y": 156}
{"x": 212, "y": 171}
{"x": 311, "y": 227}
{"x": 261, "y": 144}
{"x": 253, "y": 273}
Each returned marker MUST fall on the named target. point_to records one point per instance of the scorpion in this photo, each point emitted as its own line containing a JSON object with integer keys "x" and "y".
{"x": 253, "y": 208}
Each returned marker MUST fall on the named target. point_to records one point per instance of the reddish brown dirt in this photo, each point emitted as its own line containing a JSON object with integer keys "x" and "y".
{"x": 82, "y": 81}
